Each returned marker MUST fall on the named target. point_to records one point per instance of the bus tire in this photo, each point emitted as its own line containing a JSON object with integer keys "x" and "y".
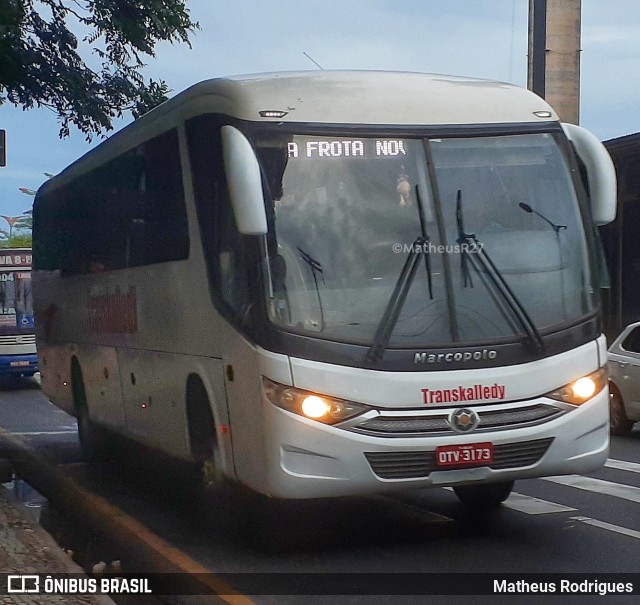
{"x": 619, "y": 423}
{"x": 203, "y": 443}
{"x": 485, "y": 495}
{"x": 93, "y": 440}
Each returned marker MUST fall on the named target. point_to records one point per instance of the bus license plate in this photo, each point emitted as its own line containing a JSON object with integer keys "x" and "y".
{"x": 471, "y": 454}
{"x": 19, "y": 363}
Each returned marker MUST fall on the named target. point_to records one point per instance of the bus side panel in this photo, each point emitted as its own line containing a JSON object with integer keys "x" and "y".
{"x": 100, "y": 375}
{"x": 154, "y": 385}
{"x": 101, "y": 378}
{"x": 246, "y": 422}
{"x": 55, "y": 373}
{"x": 248, "y": 429}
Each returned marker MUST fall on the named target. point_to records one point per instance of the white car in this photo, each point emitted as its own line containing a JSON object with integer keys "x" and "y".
{"x": 624, "y": 380}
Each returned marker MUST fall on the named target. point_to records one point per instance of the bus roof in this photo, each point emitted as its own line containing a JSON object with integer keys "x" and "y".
{"x": 377, "y": 98}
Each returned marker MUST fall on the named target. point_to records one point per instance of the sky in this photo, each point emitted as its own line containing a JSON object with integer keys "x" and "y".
{"x": 478, "y": 38}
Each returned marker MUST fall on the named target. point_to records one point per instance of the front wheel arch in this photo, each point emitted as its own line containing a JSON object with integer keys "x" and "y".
{"x": 202, "y": 434}
{"x": 619, "y": 423}
{"x": 201, "y": 429}
{"x": 94, "y": 442}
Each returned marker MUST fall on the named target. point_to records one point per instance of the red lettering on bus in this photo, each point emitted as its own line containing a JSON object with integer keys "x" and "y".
{"x": 115, "y": 313}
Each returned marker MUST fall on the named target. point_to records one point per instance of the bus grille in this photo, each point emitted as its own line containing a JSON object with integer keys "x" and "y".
{"x": 18, "y": 339}
{"x": 408, "y": 426}
{"x": 413, "y": 465}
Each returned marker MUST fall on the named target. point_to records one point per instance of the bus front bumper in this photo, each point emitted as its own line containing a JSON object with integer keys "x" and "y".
{"x": 307, "y": 459}
{"x": 18, "y": 364}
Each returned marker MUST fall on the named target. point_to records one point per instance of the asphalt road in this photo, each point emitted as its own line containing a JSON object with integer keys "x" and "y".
{"x": 565, "y": 525}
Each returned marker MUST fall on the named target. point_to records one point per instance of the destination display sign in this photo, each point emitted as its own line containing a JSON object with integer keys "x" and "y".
{"x": 17, "y": 259}
{"x": 14, "y": 275}
{"x": 347, "y": 148}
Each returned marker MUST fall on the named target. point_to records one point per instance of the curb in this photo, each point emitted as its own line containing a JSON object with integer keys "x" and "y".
{"x": 50, "y": 550}
{"x": 120, "y": 531}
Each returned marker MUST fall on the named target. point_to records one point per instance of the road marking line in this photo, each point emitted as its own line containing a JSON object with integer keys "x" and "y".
{"x": 625, "y": 531}
{"x": 623, "y": 465}
{"x": 36, "y": 433}
{"x": 608, "y": 488}
{"x": 534, "y": 506}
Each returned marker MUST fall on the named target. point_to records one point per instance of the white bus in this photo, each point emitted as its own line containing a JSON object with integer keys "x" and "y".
{"x": 333, "y": 283}
{"x": 17, "y": 335}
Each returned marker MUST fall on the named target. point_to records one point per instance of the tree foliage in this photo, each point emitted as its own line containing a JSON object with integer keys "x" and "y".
{"x": 19, "y": 240}
{"x": 26, "y": 221}
{"x": 41, "y": 64}
{"x": 20, "y": 231}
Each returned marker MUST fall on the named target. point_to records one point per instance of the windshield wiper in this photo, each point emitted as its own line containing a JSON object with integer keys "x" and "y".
{"x": 316, "y": 267}
{"x": 420, "y": 247}
{"x": 397, "y": 299}
{"x": 530, "y": 210}
{"x": 473, "y": 251}
{"x": 557, "y": 229}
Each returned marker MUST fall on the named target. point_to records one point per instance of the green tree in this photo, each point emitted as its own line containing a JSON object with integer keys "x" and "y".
{"x": 40, "y": 63}
{"x": 20, "y": 231}
{"x": 26, "y": 221}
{"x": 19, "y": 240}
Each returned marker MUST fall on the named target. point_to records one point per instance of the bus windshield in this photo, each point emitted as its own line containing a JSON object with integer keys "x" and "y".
{"x": 348, "y": 211}
{"x": 16, "y": 301}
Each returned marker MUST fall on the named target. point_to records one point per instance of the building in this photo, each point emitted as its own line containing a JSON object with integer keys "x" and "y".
{"x": 621, "y": 239}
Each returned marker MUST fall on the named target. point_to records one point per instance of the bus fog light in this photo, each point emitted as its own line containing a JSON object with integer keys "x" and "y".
{"x": 328, "y": 410}
{"x": 581, "y": 390}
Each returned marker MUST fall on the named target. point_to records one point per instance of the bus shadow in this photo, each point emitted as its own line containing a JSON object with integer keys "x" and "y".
{"x": 301, "y": 526}
{"x": 237, "y": 518}
{"x": 18, "y": 383}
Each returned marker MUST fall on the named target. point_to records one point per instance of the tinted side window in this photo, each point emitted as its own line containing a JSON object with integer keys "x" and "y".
{"x": 129, "y": 212}
{"x": 226, "y": 260}
{"x": 165, "y": 219}
{"x": 632, "y": 341}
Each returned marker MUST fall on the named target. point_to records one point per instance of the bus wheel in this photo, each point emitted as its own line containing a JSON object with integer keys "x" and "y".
{"x": 486, "y": 495}
{"x": 202, "y": 433}
{"x": 619, "y": 424}
{"x": 93, "y": 440}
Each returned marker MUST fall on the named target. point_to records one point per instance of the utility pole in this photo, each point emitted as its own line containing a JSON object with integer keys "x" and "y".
{"x": 554, "y": 55}
{"x": 3, "y": 148}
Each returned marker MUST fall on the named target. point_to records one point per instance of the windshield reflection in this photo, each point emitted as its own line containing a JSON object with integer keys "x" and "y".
{"x": 345, "y": 217}
{"x": 16, "y": 301}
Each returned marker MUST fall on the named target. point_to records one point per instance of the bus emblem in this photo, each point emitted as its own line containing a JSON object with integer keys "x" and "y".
{"x": 464, "y": 420}
{"x": 459, "y": 356}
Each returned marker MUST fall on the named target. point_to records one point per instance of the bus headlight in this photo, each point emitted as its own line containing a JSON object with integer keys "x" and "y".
{"x": 582, "y": 389}
{"x": 322, "y": 408}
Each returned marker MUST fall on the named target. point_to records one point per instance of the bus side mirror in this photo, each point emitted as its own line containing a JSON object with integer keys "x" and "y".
{"x": 601, "y": 173}
{"x": 245, "y": 182}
